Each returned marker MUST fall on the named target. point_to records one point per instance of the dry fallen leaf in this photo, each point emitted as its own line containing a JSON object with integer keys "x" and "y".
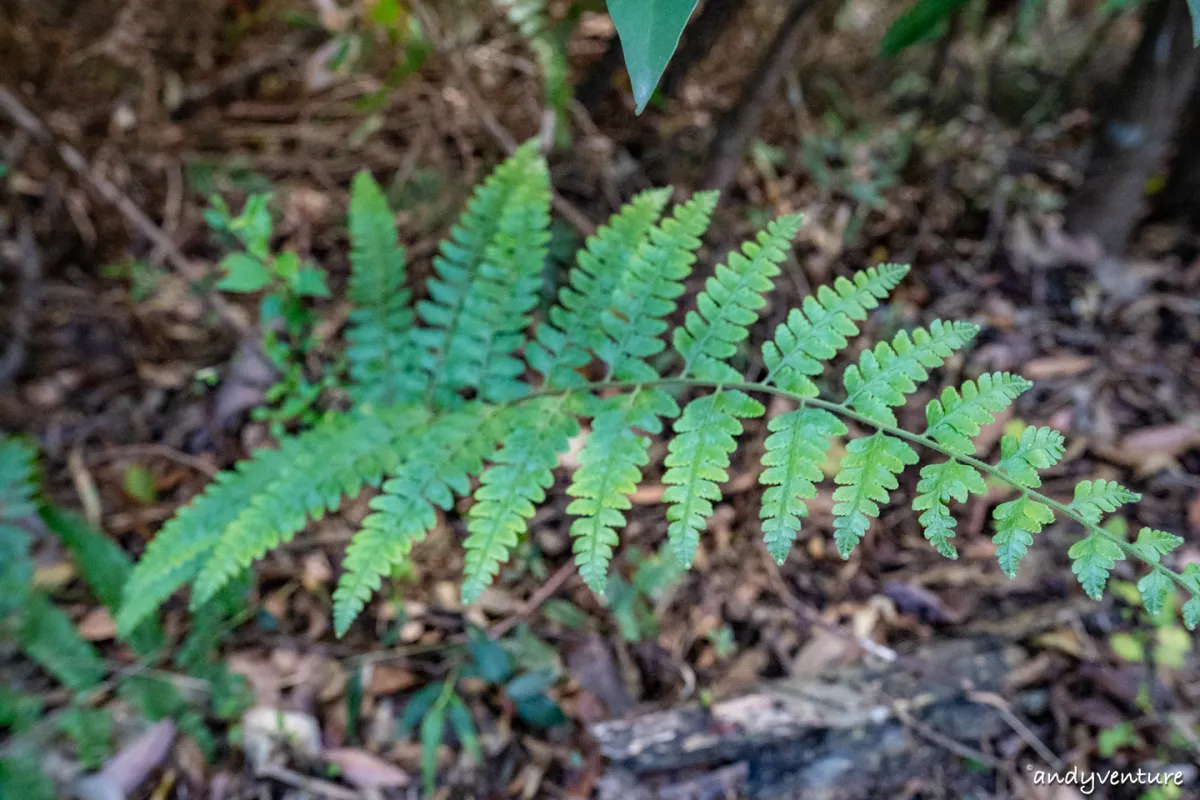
{"x": 98, "y": 625}
{"x": 364, "y": 770}
{"x": 1060, "y": 366}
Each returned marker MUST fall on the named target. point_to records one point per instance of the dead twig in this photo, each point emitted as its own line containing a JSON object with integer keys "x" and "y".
{"x": 160, "y": 450}
{"x": 29, "y": 274}
{"x": 77, "y": 163}
{"x": 544, "y": 593}
{"x": 1019, "y": 727}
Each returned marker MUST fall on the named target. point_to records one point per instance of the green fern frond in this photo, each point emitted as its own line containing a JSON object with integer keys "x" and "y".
{"x": 1017, "y": 522}
{"x": 1093, "y": 499}
{"x": 955, "y": 419}
{"x": 340, "y": 457}
{"x": 575, "y": 325}
{"x": 18, "y": 470}
{"x": 379, "y": 345}
{"x": 867, "y": 475}
{"x": 511, "y": 487}
{"x": 816, "y": 332}
{"x": 1035, "y": 449}
{"x": 49, "y": 637}
{"x": 610, "y": 466}
{"x": 730, "y": 302}
{"x": 797, "y": 447}
{"x": 649, "y": 289}
{"x": 176, "y": 555}
{"x": 488, "y": 277}
{"x": 437, "y": 464}
{"x": 886, "y": 375}
{"x": 697, "y": 458}
{"x": 1093, "y": 558}
{"x": 105, "y": 567}
{"x": 939, "y": 484}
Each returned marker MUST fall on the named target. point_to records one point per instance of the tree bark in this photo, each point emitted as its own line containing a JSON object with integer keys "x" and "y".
{"x": 1134, "y": 132}
{"x": 1181, "y": 197}
{"x": 741, "y": 121}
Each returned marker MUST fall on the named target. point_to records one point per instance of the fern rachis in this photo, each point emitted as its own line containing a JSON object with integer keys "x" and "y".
{"x": 462, "y": 410}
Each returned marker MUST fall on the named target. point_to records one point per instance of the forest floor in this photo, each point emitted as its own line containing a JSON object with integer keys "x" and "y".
{"x": 171, "y": 105}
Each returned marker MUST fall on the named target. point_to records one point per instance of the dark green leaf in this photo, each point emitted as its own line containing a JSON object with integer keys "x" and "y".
{"x": 540, "y": 711}
{"x": 528, "y": 685}
{"x": 432, "y": 727}
{"x": 920, "y": 22}
{"x": 464, "y": 727}
{"x": 418, "y": 705}
{"x": 649, "y": 31}
{"x": 490, "y": 658}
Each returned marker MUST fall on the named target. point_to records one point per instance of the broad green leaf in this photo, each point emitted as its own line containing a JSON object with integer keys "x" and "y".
{"x": 432, "y": 727}
{"x": 649, "y": 31}
{"x": 243, "y": 273}
{"x": 464, "y": 728}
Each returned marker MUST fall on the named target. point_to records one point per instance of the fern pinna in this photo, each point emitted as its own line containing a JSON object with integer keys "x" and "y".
{"x": 445, "y": 408}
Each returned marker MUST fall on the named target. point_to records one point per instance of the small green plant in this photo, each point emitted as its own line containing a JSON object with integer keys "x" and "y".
{"x": 285, "y": 315}
{"x": 447, "y": 407}
{"x": 856, "y": 165}
{"x": 46, "y": 636}
{"x": 499, "y": 666}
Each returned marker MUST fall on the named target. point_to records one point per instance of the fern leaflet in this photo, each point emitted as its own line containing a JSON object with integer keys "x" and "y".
{"x": 378, "y": 339}
{"x": 510, "y": 488}
{"x": 609, "y": 468}
{"x": 341, "y": 456}
{"x": 868, "y": 473}
{"x": 1093, "y": 499}
{"x": 561, "y": 344}
{"x": 488, "y": 277}
{"x": 649, "y": 289}
{"x": 1093, "y": 558}
{"x": 18, "y": 467}
{"x": 795, "y": 450}
{"x": 1019, "y": 520}
{"x": 885, "y": 375}
{"x": 439, "y": 464}
{"x": 816, "y": 332}
{"x": 731, "y": 301}
{"x": 696, "y": 463}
